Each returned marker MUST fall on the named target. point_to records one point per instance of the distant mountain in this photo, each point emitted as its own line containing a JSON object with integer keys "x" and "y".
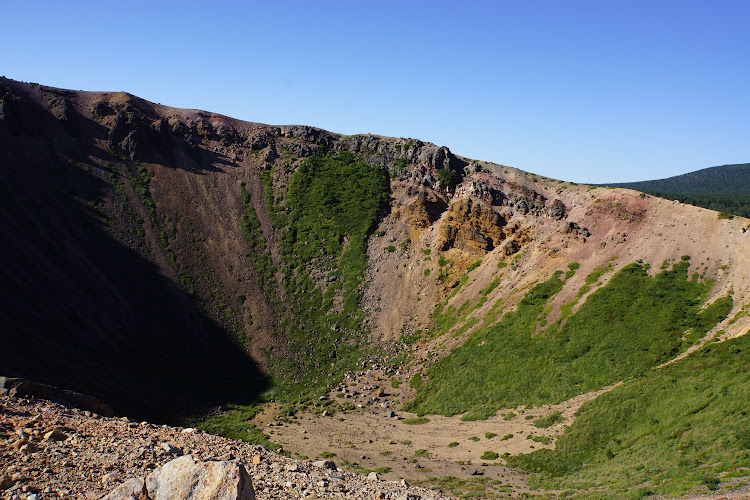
{"x": 725, "y": 188}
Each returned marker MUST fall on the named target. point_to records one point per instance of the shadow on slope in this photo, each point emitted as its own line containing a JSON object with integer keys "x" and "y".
{"x": 82, "y": 311}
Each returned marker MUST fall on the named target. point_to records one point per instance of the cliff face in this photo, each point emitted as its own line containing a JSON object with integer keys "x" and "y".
{"x": 170, "y": 251}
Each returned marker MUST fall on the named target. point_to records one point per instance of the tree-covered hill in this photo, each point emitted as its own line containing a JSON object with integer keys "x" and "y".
{"x": 725, "y": 188}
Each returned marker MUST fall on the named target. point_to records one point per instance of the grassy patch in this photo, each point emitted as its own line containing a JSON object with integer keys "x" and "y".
{"x": 474, "y": 265}
{"x": 623, "y": 329}
{"x": 235, "y": 423}
{"x": 673, "y": 427}
{"x": 474, "y": 487}
{"x": 416, "y": 421}
{"x": 489, "y": 455}
{"x": 539, "y": 439}
{"x": 549, "y": 420}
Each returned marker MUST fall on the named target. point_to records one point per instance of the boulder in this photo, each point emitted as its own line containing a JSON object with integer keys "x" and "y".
{"x": 325, "y": 464}
{"x": 185, "y": 479}
{"x": 55, "y": 435}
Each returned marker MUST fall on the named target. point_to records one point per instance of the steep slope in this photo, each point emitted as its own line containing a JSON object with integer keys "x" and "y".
{"x": 725, "y": 188}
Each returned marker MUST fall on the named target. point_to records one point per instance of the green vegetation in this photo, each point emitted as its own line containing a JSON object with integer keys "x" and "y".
{"x": 539, "y": 439}
{"x": 234, "y": 423}
{"x": 332, "y": 202}
{"x": 724, "y": 189}
{"x": 448, "y": 178}
{"x": 258, "y": 254}
{"x": 489, "y": 455}
{"x": 676, "y": 427}
{"x": 416, "y": 421}
{"x": 549, "y": 420}
{"x": 453, "y": 444}
{"x": 474, "y": 487}
{"x": 597, "y": 273}
{"x": 489, "y": 435}
{"x": 327, "y": 454}
{"x": 624, "y": 329}
{"x": 474, "y": 265}
{"x": 506, "y": 437}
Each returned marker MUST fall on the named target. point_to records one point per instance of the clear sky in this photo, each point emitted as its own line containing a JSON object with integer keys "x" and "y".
{"x": 588, "y": 91}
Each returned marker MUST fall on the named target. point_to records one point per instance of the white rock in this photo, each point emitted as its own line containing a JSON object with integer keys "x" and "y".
{"x": 184, "y": 479}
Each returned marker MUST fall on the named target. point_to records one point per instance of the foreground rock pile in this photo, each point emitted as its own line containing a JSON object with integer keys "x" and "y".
{"x": 51, "y": 451}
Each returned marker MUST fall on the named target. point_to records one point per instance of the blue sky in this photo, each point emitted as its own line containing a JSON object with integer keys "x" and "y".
{"x": 588, "y": 91}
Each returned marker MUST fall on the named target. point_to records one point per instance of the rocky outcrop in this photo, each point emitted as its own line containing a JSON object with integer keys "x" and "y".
{"x": 472, "y": 226}
{"x": 21, "y": 387}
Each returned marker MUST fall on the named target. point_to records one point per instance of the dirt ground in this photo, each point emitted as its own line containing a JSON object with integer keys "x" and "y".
{"x": 376, "y": 435}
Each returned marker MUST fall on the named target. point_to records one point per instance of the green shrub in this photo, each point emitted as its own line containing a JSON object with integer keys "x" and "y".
{"x": 390, "y": 248}
{"x": 448, "y": 178}
{"x": 327, "y": 454}
{"x": 489, "y": 435}
{"x": 711, "y": 482}
{"x": 474, "y": 265}
{"x": 549, "y": 420}
{"x": 453, "y": 444}
{"x": 416, "y": 421}
{"x": 539, "y": 439}
{"x": 489, "y": 455}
